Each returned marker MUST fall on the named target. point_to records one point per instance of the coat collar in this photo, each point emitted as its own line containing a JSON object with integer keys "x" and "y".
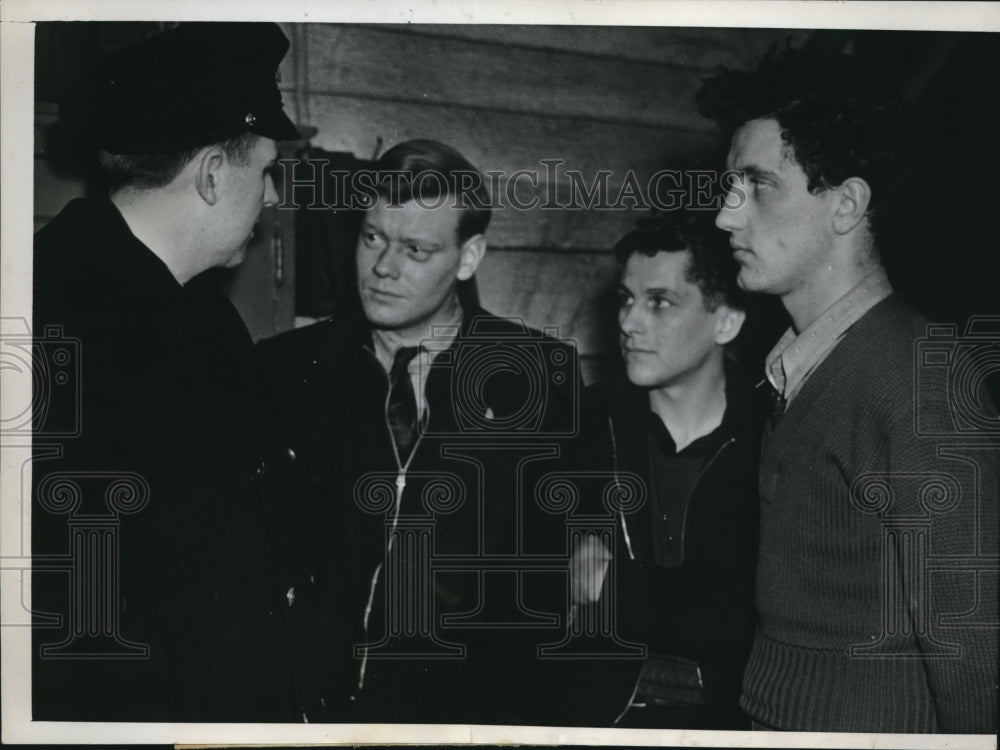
{"x": 349, "y": 327}
{"x": 118, "y": 258}
{"x": 628, "y": 408}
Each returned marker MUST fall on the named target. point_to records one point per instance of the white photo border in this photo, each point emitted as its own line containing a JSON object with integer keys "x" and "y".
{"x": 16, "y": 137}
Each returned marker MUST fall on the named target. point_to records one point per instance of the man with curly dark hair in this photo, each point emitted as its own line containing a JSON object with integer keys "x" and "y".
{"x": 855, "y": 633}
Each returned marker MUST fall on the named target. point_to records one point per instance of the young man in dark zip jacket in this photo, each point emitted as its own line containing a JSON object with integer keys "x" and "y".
{"x": 684, "y": 421}
{"x": 418, "y": 470}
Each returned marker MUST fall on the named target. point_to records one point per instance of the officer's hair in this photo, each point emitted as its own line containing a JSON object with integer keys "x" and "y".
{"x": 426, "y": 170}
{"x": 711, "y": 268}
{"x": 146, "y": 171}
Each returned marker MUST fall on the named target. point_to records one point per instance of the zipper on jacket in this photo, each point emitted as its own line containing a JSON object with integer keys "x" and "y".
{"x": 630, "y": 703}
{"x": 687, "y": 505}
{"x": 614, "y": 458}
{"x": 694, "y": 487}
{"x": 401, "y": 469}
{"x": 614, "y": 465}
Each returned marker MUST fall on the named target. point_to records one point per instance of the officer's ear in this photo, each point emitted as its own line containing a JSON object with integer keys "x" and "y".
{"x": 208, "y": 174}
{"x": 728, "y": 323}
{"x": 473, "y": 250}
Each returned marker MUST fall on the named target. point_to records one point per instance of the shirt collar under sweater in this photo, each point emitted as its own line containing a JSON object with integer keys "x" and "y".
{"x": 793, "y": 358}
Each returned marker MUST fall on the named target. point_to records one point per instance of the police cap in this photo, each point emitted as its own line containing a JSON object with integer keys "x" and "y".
{"x": 196, "y": 84}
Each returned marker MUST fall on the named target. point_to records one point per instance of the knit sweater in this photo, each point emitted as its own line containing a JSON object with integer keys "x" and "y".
{"x": 872, "y": 615}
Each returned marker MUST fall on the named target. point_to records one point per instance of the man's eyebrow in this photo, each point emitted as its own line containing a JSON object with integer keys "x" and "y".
{"x": 648, "y": 291}
{"x": 660, "y": 290}
{"x": 423, "y": 244}
{"x": 752, "y": 170}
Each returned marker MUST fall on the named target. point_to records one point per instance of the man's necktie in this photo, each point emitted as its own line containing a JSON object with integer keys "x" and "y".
{"x": 402, "y": 410}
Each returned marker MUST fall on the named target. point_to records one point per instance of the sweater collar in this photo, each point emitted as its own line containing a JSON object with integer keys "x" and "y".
{"x": 793, "y": 358}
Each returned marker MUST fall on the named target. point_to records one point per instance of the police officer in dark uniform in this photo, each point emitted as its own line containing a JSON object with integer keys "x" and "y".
{"x": 163, "y": 585}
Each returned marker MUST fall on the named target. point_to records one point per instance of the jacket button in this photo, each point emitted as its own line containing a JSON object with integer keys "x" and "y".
{"x": 291, "y": 454}
{"x": 259, "y": 471}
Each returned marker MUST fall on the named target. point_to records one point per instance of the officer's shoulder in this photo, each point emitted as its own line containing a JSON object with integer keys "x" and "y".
{"x": 299, "y": 342}
{"x": 76, "y": 224}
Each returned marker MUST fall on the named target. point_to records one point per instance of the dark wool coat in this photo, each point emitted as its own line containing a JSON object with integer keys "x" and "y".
{"x": 167, "y": 404}
{"x": 502, "y": 402}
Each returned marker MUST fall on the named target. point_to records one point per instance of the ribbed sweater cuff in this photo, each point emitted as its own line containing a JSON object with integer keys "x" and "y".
{"x": 808, "y": 689}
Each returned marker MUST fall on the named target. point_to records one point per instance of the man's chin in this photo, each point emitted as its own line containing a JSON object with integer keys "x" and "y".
{"x": 746, "y": 281}
{"x": 379, "y": 317}
{"x": 639, "y": 376}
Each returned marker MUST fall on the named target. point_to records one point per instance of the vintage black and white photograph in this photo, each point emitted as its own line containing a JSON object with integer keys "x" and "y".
{"x": 456, "y": 375}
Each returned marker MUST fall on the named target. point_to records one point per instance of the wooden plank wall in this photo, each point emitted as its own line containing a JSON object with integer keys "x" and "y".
{"x": 595, "y": 98}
